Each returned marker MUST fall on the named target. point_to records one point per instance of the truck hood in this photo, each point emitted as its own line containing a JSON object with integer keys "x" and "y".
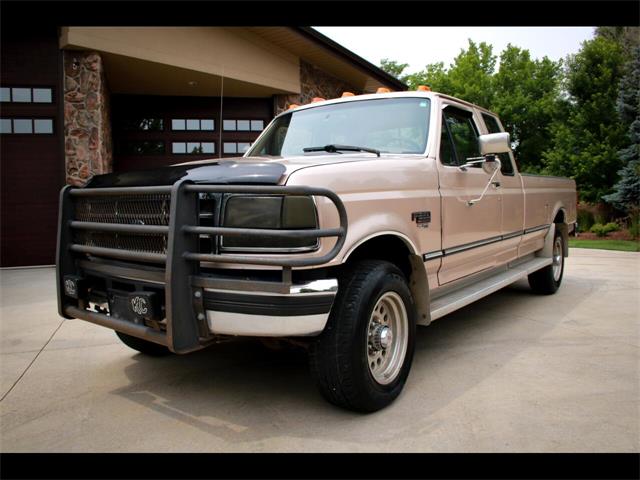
{"x": 228, "y": 171}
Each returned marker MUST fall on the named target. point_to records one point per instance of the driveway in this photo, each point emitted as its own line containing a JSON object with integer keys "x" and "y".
{"x": 512, "y": 372}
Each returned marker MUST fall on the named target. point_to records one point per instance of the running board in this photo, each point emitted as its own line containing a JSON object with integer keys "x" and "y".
{"x": 464, "y": 296}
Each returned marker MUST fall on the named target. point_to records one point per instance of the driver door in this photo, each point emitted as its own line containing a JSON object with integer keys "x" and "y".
{"x": 470, "y": 233}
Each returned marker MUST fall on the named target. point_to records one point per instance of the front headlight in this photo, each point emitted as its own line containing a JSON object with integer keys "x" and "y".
{"x": 269, "y": 212}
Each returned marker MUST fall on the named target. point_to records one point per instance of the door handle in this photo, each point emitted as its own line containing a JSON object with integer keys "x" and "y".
{"x": 495, "y": 184}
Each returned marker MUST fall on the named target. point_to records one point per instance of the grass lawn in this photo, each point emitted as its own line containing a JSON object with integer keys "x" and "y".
{"x": 623, "y": 245}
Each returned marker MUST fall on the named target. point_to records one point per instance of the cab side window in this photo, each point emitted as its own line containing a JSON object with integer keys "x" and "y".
{"x": 459, "y": 127}
{"x": 505, "y": 159}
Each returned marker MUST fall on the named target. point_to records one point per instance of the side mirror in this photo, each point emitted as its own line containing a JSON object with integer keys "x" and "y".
{"x": 494, "y": 143}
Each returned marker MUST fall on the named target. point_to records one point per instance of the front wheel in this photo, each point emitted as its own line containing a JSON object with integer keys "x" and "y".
{"x": 546, "y": 281}
{"x": 362, "y": 359}
{"x": 143, "y": 346}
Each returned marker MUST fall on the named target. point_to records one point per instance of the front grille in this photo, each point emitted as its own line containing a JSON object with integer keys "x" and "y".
{"x": 135, "y": 209}
{"x": 138, "y": 209}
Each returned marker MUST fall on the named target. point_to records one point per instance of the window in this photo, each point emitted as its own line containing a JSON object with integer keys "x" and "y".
{"x": 193, "y": 124}
{"x": 505, "y": 159}
{"x": 27, "y": 125}
{"x": 26, "y": 95}
{"x": 143, "y": 124}
{"x": 243, "y": 125}
{"x": 42, "y": 125}
{"x": 447, "y": 157}
{"x": 42, "y": 95}
{"x": 22, "y": 95}
{"x": 463, "y": 134}
{"x": 144, "y": 147}
{"x": 5, "y": 125}
{"x": 391, "y": 125}
{"x": 192, "y": 148}
{"x": 236, "y": 147}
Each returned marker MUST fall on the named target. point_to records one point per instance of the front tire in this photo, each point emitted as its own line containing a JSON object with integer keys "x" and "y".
{"x": 362, "y": 358}
{"x": 547, "y": 280}
{"x": 143, "y": 346}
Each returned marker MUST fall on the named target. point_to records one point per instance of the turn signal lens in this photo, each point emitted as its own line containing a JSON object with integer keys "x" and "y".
{"x": 383, "y": 90}
{"x": 347, "y": 94}
{"x": 423, "y": 88}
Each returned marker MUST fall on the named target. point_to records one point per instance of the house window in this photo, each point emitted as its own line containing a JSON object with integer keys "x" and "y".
{"x": 27, "y": 125}
{"x": 192, "y": 148}
{"x": 26, "y": 95}
{"x": 236, "y": 147}
{"x": 21, "y": 95}
{"x": 193, "y": 124}
{"x": 143, "y": 124}
{"x": 243, "y": 125}
{"x": 42, "y": 125}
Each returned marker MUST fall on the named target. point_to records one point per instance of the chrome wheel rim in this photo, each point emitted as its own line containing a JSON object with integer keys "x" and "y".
{"x": 557, "y": 259}
{"x": 387, "y": 338}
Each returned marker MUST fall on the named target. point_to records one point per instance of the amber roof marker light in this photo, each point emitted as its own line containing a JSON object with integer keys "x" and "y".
{"x": 423, "y": 88}
{"x": 317, "y": 99}
{"x": 383, "y": 90}
{"x": 347, "y": 94}
{"x": 292, "y": 106}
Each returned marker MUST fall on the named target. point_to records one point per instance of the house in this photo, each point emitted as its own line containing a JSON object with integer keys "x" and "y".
{"x": 82, "y": 101}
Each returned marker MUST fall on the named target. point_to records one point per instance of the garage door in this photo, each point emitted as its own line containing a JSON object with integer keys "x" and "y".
{"x": 31, "y": 163}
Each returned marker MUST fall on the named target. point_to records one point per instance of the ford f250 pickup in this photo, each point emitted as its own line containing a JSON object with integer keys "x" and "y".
{"x": 346, "y": 224}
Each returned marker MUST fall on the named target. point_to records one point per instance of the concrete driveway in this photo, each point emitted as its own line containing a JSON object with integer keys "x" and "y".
{"x": 513, "y": 372}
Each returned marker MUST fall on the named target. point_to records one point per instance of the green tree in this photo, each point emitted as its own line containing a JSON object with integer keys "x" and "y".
{"x": 393, "y": 68}
{"x": 626, "y": 193}
{"x": 627, "y": 37}
{"x": 527, "y": 99}
{"x": 585, "y": 146}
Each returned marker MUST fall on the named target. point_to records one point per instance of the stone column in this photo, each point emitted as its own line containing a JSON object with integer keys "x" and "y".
{"x": 87, "y": 127}
{"x": 314, "y": 83}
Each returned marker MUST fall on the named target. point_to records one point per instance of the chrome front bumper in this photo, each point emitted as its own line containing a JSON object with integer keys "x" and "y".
{"x": 303, "y": 311}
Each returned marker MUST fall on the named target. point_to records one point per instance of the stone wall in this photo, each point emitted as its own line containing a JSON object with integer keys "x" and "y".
{"x": 314, "y": 83}
{"x": 87, "y": 128}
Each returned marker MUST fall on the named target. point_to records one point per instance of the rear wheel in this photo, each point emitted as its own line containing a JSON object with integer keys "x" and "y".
{"x": 362, "y": 359}
{"x": 143, "y": 346}
{"x": 546, "y": 281}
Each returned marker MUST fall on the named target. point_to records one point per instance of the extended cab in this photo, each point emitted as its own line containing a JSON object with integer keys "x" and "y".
{"x": 346, "y": 224}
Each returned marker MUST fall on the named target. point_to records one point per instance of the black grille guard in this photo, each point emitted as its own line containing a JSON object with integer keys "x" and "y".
{"x": 182, "y": 261}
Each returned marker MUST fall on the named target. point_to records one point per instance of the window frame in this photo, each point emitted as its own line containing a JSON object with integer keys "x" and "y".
{"x": 186, "y": 120}
{"x": 501, "y": 129}
{"x": 443, "y": 124}
{"x": 33, "y": 132}
{"x": 31, "y": 88}
{"x": 187, "y": 142}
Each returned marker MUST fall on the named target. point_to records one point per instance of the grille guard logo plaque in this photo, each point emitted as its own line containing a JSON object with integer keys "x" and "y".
{"x": 143, "y": 305}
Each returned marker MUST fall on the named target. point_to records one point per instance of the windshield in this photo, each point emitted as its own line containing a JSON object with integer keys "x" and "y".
{"x": 390, "y": 125}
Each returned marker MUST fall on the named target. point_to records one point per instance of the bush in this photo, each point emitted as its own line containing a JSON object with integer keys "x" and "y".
{"x": 634, "y": 228}
{"x": 598, "y": 229}
{"x": 585, "y": 220}
{"x": 602, "y": 230}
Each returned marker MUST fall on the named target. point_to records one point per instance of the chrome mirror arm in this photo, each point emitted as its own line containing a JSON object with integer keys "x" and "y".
{"x": 476, "y": 200}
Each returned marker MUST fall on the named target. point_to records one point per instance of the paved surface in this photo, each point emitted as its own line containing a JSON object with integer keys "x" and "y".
{"x": 513, "y": 372}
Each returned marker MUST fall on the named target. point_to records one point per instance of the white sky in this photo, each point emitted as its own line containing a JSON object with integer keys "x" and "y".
{"x": 419, "y": 46}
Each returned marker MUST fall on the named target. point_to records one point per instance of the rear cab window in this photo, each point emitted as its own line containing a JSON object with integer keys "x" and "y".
{"x": 493, "y": 126}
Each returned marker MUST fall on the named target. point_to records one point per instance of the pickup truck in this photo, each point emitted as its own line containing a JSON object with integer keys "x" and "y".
{"x": 347, "y": 223}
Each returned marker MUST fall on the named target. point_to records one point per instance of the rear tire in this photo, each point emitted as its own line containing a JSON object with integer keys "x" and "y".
{"x": 143, "y": 346}
{"x": 362, "y": 358}
{"x": 547, "y": 280}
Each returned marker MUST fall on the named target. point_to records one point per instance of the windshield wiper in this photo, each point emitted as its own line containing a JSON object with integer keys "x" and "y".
{"x": 335, "y": 149}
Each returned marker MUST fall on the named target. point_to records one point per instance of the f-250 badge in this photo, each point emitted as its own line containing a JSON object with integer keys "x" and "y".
{"x": 422, "y": 219}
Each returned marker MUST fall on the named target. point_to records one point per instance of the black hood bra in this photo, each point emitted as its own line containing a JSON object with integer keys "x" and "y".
{"x": 225, "y": 172}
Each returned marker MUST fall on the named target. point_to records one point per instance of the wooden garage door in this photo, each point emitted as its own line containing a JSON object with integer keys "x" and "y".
{"x": 31, "y": 163}
{"x": 151, "y": 131}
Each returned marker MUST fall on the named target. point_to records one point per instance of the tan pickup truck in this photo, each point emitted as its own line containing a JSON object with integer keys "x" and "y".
{"x": 347, "y": 223}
